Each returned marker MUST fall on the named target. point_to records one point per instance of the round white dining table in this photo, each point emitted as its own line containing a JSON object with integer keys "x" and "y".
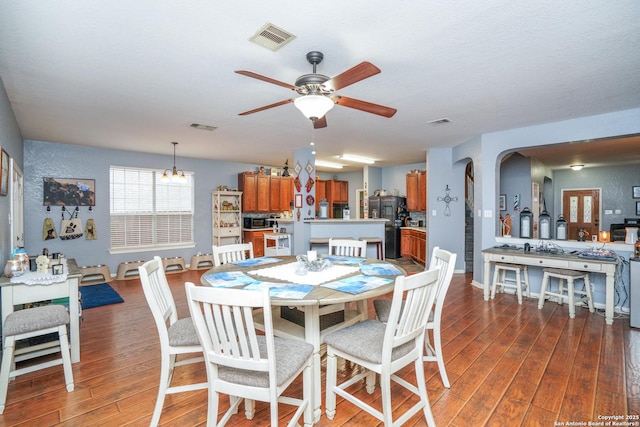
{"x": 320, "y": 305}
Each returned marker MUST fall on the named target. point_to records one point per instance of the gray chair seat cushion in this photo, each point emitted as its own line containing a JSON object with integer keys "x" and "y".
{"x": 291, "y": 355}
{"x": 35, "y": 319}
{"x": 364, "y": 340}
{"x": 183, "y": 333}
{"x": 383, "y": 308}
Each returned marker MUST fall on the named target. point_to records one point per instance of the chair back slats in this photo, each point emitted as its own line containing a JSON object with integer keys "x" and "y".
{"x": 157, "y": 292}
{"x": 407, "y": 321}
{"x": 226, "y": 328}
{"x": 348, "y": 247}
{"x": 447, "y": 262}
{"x": 231, "y": 253}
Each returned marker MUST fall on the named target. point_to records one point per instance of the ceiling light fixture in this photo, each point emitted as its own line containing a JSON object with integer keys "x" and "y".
{"x": 322, "y": 163}
{"x": 358, "y": 159}
{"x": 176, "y": 175}
{"x": 313, "y": 107}
{"x": 576, "y": 167}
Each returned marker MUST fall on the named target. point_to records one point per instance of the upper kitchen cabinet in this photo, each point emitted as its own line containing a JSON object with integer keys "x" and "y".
{"x": 338, "y": 191}
{"x": 265, "y": 193}
{"x": 417, "y": 191}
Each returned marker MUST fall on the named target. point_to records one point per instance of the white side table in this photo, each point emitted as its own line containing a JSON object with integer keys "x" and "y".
{"x": 280, "y": 244}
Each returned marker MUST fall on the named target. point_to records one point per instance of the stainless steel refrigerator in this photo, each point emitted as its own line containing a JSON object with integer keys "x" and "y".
{"x": 388, "y": 207}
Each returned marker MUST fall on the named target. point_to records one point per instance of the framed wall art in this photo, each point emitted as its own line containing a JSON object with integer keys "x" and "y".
{"x": 4, "y": 181}
{"x": 637, "y": 208}
{"x": 298, "y": 201}
{"x": 502, "y": 202}
{"x": 636, "y": 191}
{"x": 69, "y": 192}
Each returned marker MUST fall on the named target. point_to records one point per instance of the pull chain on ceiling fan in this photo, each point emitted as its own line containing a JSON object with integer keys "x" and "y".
{"x": 317, "y": 91}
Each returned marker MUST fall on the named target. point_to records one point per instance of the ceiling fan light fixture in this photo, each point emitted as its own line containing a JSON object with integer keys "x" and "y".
{"x": 313, "y": 106}
{"x": 358, "y": 159}
{"x": 322, "y": 163}
{"x": 576, "y": 167}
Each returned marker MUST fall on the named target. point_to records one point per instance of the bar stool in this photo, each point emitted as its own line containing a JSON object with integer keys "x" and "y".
{"x": 568, "y": 276}
{"x": 28, "y": 323}
{"x": 318, "y": 241}
{"x": 378, "y": 242}
{"x": 501, "y": 279}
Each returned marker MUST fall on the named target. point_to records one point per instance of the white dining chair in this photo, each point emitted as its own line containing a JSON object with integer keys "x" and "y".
{"x": 230, "y": 253}
{"x": 177, "y": 336}
{"x": 348, "y": 247}
{"x": 433, "y": 350}
{"x": 243, "y": 362}
{"x": 384, "y": 349}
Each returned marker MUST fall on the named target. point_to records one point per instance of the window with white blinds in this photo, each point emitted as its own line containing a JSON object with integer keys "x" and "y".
{"x": 148, "y": 213}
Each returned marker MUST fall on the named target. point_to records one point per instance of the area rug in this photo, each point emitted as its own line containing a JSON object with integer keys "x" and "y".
{"x": 98, "y": 295}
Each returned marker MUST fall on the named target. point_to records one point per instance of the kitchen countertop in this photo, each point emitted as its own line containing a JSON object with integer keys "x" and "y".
{"x": 421, "y": 229}
{"x": 342, "y": 221}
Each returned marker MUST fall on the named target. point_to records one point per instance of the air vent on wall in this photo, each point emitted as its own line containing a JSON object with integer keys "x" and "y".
{"x": 439, "y": 122}
{"x": 272, "y": 37}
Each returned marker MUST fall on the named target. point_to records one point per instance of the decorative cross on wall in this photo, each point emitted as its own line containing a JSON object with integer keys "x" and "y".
{"x": 447, "y": 199}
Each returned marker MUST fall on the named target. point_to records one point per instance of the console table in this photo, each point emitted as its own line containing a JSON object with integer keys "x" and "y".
{"x": 561, "y": 260}
{"x": 19, "y": 293}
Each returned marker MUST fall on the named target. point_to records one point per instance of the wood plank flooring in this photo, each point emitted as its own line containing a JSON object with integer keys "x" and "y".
{"x": 508, "y": 364}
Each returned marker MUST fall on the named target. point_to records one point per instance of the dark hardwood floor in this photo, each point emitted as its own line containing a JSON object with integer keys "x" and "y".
{"x": 509, "y": 365}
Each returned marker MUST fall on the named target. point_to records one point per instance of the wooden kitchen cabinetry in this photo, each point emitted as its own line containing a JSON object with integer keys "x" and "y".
{"x": 265, "y": 193}
{"x": 339, "y": 191}
{"x": 226, "y": 216}
{"x": 413, "y": 244}
{"x": 417, "y": 191}
{"x": 257, "y": 238}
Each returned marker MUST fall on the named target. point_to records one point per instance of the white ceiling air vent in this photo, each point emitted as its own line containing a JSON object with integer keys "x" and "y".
{"x": 203, "y": 127}
{"x": 439, "y": 122}
{"x": 272, "y": 37}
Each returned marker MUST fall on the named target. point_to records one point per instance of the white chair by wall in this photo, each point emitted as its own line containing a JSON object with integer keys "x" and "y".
{"x": 433, "y": 350}
{"x": 242, "y": 362}
{"x": 28, "y": 323}
{"x": 230, "y": 253}
{"x": 385, "y": 348}
{"x": 348, "y": 247}
{"x": 177, "y": 336}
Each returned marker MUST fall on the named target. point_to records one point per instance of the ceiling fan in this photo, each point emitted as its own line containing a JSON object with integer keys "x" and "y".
{"x": 317, "y": 91}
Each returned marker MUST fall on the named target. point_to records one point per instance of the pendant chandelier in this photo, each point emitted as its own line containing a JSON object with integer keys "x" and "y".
{"x": 176, "y": 175}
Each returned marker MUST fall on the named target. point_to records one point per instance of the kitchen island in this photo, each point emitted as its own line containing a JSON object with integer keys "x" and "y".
{"x": 350, "y": 228}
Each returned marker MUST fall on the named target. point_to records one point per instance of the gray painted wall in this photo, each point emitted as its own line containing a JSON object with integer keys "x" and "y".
{"x": 11, "y": 141}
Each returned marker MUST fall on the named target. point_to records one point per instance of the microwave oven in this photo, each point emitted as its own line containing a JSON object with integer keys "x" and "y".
{"x": 255, "y": 223}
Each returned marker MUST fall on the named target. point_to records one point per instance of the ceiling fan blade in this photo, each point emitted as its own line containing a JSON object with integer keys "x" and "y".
{"x": 265, "y": 79}
{"x": 266, "y": 107}
{"x": 353, "y": 75}
{"x": 320, "y": 123}
{"x": 368, "y": 107}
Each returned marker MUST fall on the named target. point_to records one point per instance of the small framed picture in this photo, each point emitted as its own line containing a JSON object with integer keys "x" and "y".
{"x": 502, "y": 202}
{"x": 298, "y": 201}
{"x": 56, "y": 269}
{"x": 636, "y": 191}
{"x": 4, "y": 179}
{"x": 637, "y": 208}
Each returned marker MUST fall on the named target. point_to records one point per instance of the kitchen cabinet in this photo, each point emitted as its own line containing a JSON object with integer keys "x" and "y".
{"x": 286, "y": 193}
{"x": 226, "y": 216}
{"x": 338, "y": 191}
{"x": 265, "y": 193}
{"x": 257, "y": 238}
{"x": 413, "y": 244}
{"x": 321, "y": 193}
{"x": 274, "y": 194}
{"x": 417, "y": 191}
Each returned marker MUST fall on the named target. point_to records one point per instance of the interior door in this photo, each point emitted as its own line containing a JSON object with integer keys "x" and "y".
{"x": 581, "y": 209}
{"x": 17, "y": 205}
